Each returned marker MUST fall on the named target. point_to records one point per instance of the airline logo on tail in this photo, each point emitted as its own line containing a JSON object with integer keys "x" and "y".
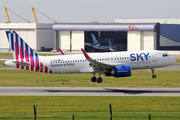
{"x": 94, "y": 39}
{"x": 24, "y": 56}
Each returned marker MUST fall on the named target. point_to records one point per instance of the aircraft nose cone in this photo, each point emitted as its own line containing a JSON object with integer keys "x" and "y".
{"x": 173, "y": 60}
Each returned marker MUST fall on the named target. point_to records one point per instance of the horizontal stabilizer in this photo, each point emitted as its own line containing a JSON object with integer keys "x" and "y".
{"x": 21, "y": 63}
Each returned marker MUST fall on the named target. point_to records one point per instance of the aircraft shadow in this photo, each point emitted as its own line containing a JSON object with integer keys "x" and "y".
{"x": 117, "y": 91}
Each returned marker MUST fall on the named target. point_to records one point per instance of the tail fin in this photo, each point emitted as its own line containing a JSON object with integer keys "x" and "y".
{"x": 94, "y": 39}
{"x": 23, "y": 54}
{"x": 19, "y": 47}
{"x": 109, "y": 43}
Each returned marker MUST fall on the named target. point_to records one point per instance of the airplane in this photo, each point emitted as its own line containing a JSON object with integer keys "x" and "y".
{"x": 117, "y": 64}
{"x": 97, "y": 45}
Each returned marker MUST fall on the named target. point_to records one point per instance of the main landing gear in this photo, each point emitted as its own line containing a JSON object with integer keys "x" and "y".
{"x": 98, "y": 80}
{"x": 153, "y": 76}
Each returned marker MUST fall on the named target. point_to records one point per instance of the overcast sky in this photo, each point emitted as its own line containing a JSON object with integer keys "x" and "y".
{"x": 84, "y": 11}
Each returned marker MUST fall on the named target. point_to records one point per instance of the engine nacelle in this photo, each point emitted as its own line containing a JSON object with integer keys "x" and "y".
{"x": 120, "y": 71}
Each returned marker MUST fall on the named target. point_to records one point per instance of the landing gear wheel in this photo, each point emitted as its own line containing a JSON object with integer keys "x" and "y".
{"x": 93, "y": 79}
{"x": 99, "y": 80}
{"x": 153, "y": 76}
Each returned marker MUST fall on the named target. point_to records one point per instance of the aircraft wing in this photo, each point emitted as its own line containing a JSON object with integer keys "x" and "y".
{"x": 99, "y": 66}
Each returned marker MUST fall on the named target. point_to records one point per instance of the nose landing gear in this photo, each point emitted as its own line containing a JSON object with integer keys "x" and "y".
{"x": 153, "y": 76}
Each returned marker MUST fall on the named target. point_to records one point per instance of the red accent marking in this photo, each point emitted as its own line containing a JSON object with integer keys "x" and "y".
{"x": 16, "y": 54}
{"x": 46, "y": 69}
{"x": 21, "y": 55}
{"x": 86, "y": 56}
{"x": 130, "y": 27}
{"x": 36, "y": 64}
{"x": 136, "y": 28}
{"x": 41, "y": 67}
{"x": 61, "y": 51}
{"x": 50, "y": 71}
{"x": 27, "y": 67}
{"x": 26, "y": 57}
{"x": 31, "y": 59}
{"x": 22, "y": 67}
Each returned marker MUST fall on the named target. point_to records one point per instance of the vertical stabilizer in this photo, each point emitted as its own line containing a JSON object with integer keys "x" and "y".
{"x": 94, "y": 39}
{"x": 109, "y": 42}
{"x": 24, "y": 56}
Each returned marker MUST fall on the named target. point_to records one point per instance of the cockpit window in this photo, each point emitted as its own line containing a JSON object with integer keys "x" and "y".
{"x": 165, "y": 55}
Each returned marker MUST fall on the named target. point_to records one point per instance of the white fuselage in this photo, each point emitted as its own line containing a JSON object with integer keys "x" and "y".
{"x": 65, "y": 64}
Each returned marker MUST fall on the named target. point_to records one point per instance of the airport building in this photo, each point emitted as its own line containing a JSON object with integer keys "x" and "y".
{"x": 38, "y": 36}
{"x": 118, "y": 35}
{"x": 124, "y": 34}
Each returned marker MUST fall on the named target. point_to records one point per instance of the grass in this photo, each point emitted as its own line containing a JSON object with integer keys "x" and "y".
{"x": 2, "y": 64}
{"x": 6, "y": 55}
{"x": 93, "y": 106}
{"x": 138, "y": 79}
{"x": 177, "y": 60}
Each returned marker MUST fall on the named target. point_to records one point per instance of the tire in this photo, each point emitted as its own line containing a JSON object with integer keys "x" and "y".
{"x": 93, "y": 79}
{"x": 99, "y": 80}
{"x": 153, "y": 76}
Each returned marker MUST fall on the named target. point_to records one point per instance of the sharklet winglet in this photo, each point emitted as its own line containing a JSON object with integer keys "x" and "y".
{"x": 61, "y": 52}
{"x": 85, "y": 54}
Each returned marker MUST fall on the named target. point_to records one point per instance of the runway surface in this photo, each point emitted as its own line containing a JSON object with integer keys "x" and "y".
{"x": 88, "y": 91}
{"x": 175, "y": 66}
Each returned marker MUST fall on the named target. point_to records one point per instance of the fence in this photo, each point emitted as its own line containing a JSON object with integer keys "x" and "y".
{"x": 109, "y": 116}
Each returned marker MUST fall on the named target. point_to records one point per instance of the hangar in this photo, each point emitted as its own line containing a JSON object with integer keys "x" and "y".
{"x": 119, "y": 35}
{"x": 38, "y": 36}
{"x": 126, "y": 34}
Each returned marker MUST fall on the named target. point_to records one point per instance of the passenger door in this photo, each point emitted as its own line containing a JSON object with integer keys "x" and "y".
{"x": 154, "y": 57}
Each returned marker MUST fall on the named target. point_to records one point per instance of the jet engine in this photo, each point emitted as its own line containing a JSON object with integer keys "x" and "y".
{"x": 120, "y": 71}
